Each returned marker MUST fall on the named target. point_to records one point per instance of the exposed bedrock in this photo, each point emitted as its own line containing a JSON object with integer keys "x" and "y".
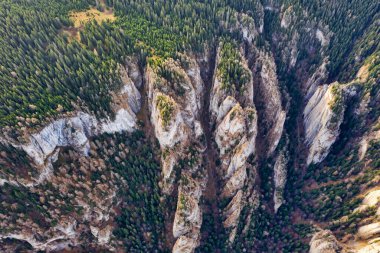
{"x": 67, "y": 189}
{"x": 174, "y": 98}
{"x": 188, "y": 216}
{"x": 273, "y": 114}
{"x": 75, "y": 130}
{"x": 280, "y": 178}
{"x": 324, "y": 242}
{"x": 175, "y": 95}
{"x": 323, "y": 115}
{"x": 235, "y": 119}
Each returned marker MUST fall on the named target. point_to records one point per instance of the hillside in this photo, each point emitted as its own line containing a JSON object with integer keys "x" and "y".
{"x": 189, "y": 126}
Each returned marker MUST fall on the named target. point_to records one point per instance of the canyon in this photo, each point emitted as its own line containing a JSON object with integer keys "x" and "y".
{"x": 227, "y": 149}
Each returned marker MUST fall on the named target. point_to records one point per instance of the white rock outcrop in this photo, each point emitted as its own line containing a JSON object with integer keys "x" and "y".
{"x": 324, "y": 242}
{"x": 322, "y": 38}
{"x": 287, "y": 17}
{"x": 232, "y": 214}
{"x": 126, "y": 103}
{"x": 188, "y": 216}
{"x": 36, "y": 245}
{"x": 374, "y": 135}
{"x": 244, "y": 23}
{"x": 317, "y": 79}
{"x": 185, "y": 245}
{"x": 133, "y": 71}
{"x": 372, "y": 247}
{"x": 371, "y": 199}
{"x": 175, "y": 130}
{"x": 369, "y": 231}
{"x": 222, "y": 99}
{"x": 175, "y": 106}
{"x": 235, "y": 119}
{"x": 230, "y": 129}
{"x": 65, "y": 231}
{"x": 75, "y": 131}
{"x": 125, "y": 120}
{"x": 102, "y": 235}
{"x": 323, "y": 115}
{"x": 280, "y": 176}
{"x": 64, "y": 132}
{"x": 175, "y": 91}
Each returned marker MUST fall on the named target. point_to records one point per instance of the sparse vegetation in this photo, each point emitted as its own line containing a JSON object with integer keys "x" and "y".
{"x": 337, "y": 103}
{"x": 166, "y": 107}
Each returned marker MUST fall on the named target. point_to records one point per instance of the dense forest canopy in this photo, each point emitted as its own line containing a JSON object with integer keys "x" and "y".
{"x": 44, "y": 73}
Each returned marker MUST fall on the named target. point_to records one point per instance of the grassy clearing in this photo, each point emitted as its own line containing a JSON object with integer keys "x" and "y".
{"x": 81, "y": 18}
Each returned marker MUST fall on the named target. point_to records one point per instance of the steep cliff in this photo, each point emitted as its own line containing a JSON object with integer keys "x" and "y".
{"x": 70, "y": 187}
{"x": 235, "y": 118}
{"x": 75, "y": 131}
{"x": 324, "y": 242}
{"x": 174, "y": 99}
{"x": 188, "y": 216}
{"x": 271, "y": 99}
{"x": 322, "y": 117}
{"x": 280, "y": 176}
{"x": 189, "y": 126}
{"x": 175, "y": 93}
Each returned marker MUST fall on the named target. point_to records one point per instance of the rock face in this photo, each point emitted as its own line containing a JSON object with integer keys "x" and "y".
{"x": 75, "y": 131}
{"x": 374, "y": 247}
{"x": 273, "y": 113}
{"x": 175, "y": 94}
{"x": 126, "y": 102}
{"x": 322, "y": 38}
{"x": 248, "y": 107}
{"x": 64, "y": 191}
{"x": 292, "y": 36}
{"x": 133, "y": 71}
{"x": 369, "y": 231}
{"x": 370, "y": 200}
{"x": 247, "y": 25}
{"x": 174, "y": 101}
{"x": 185, "y": 245}
{"x": 95, "y": 201}
{"x": 324, "y": 242}
{"x": 244, "y": 24}
{"x": 374, "y": 135}
{"x": 188, "y": 216}
{"x": 103, "y": 235}
{"x": 235, "y": 118}
{"x": 33, "y": 242}
{"x": 317, "y": 79}
{"x": 232, "y": 213}
{"x": 64, "y": 132}
{"x": 280, "y": 175}
{"x": 287, "y": 17}
{"x": 323, "y": 115}
{"x": 223, "y": 100}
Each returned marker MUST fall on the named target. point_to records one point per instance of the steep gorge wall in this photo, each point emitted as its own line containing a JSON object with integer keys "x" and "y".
{"x": 44, "y": 147}
{"x": 175, "y": 96}
{"x": 235, "y": 118}
{"x": 247, "y": 125}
